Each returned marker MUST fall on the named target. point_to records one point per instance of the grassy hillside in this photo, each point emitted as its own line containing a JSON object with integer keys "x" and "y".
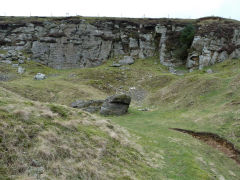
{"x": 197, "y": 101}
{"x": 37, "y": 112}
{"x": 50, "y": 141}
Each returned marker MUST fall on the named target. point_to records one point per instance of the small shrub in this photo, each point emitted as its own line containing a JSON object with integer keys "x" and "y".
{"x": 186, "y": 38}
{"x": 187, "y": 35}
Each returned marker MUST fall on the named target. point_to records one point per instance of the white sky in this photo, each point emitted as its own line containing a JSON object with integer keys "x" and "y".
{"x": 122, "y": 8}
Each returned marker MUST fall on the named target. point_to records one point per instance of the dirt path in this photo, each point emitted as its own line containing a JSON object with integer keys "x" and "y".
{"x": 215, "y": 141}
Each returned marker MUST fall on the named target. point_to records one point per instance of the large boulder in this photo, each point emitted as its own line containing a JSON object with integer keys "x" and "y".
{"x": 91, "y": 106}
{"x": 116, "y": 105}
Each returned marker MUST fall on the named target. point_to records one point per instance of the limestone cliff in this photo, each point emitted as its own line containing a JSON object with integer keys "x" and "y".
{"x": 76, "y": 42}
{"x": 216, "y": 40}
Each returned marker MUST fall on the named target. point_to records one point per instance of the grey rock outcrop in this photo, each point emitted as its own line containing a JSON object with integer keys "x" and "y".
{"x": 75, "y": 42}
{"x": 214, "y": 42}
{"x": 15, "y": 65}
{"x": 91, "y": 106}
{"x": 113, "y": 105}
{"x": 116, "y": 105}
{"x": 172, "y": 70}
{"x": 4, "y": 77}
{"x": 7, "y": 62}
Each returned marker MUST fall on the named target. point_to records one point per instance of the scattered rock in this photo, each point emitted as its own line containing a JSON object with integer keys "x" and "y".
{"x": 144, "y": 109}
{"x": 209, "y": 71}
{"x": 85, "y": 103}
{"x": 115, "y": 65}
{"x": 113, "y": 105}
{"x": 40, "y": 76}
{"x": 20, "y": 61}
{"x": 116, "y": 105}
{"x": 7, "y": 62}
{"x": 15, "y": 65}
{"x": 91, "y": 106}
{"x": 12, "y": 55}
{"x": 3, "y": 77}
{"x": 21, "y": 70}
{"x": 172, "y": 70}
{"x": 127, "y": 60}
{"x": 191, "y": 70}
{"x": 180, "y": 72}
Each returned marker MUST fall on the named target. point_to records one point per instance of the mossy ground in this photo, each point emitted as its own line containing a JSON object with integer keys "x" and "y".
{"x": 195, "y": 101}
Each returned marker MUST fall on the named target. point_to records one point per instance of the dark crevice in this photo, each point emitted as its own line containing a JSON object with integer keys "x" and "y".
{"x": 215, "y": 141}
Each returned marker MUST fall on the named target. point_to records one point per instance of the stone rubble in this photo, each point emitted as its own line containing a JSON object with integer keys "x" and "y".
{"x": 40, "y": 76}
{"x": 21, "y": 70}
{"x": 113, "y": 105}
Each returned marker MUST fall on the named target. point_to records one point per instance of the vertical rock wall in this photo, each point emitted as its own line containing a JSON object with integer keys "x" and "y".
{"x": 215, "y": 41}
{"x": 84, "y": 42}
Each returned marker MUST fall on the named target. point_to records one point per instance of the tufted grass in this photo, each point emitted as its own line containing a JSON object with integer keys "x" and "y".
{"x": 195, "y": 101}
{"x": 51, "y": 141}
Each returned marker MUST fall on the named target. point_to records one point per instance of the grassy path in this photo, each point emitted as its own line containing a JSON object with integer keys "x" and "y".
{"x": 178, "y": 155}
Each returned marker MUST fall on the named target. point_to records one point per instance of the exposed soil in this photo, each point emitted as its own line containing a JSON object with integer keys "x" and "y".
{"x": 215, "y": 141}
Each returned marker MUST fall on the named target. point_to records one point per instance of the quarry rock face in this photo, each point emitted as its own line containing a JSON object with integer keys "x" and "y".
{"x": 214, "y": 42}
{"x": 76, "y": 42}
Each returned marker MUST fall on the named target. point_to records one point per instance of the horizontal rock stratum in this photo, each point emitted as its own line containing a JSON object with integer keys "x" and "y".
{"x": 77, "y": 42}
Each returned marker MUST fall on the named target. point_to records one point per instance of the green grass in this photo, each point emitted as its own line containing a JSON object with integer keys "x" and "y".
{"x": 196, "y": 101}
{"x": 65, "y": 86}
{"x": 59, "y": 110}
{"x": 3, "y": 51}
{"x": 180, "y": 155}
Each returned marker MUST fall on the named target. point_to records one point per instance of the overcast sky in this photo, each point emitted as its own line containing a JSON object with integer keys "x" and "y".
{"x": 123, "y": 8}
